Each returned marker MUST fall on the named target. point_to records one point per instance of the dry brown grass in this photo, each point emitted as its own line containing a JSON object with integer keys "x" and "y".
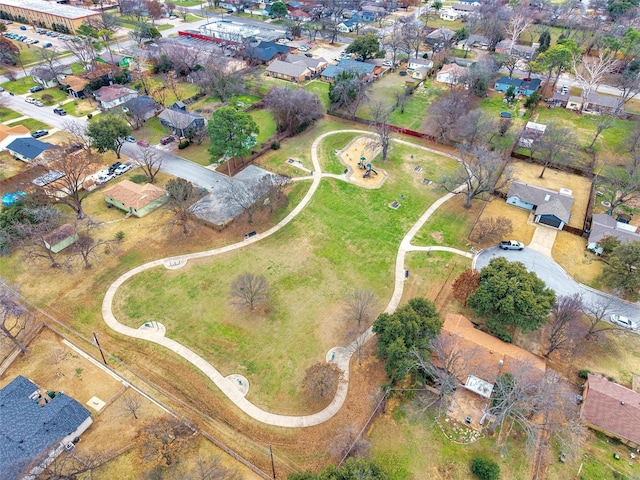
{"x": 522, "y": 228}
{"x": 9, "y": 166}
{"x": 571, "y": 254}
{"x": 554, "y": 180}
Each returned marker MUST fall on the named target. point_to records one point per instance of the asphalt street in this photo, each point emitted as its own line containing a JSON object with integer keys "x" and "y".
{"x": 558, "y": 280}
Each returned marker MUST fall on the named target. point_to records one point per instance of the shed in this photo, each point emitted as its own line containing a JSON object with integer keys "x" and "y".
{"x": 61, "y": 238}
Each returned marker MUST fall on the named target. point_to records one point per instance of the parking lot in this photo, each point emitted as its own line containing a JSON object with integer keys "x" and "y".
{"x": 38, "y": 37}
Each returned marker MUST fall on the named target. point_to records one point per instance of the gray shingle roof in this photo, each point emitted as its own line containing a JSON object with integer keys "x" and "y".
{"x": 547, "y": 202}
{"x": 178, "y": 118}
{"x": 27, "y": 429}
{"x": 603, "y": 225}
{"x": 294, "y": 70}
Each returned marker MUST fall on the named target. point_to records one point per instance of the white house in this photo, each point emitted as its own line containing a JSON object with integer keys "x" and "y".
{"x": 114, "y": 95}
{"x": 449, "y": 15}
{"x": 451, "y": 74}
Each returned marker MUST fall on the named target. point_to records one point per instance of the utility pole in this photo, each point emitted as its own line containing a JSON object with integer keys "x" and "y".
{"x": 97, "y": 344}
{"x": 273, "y": 467}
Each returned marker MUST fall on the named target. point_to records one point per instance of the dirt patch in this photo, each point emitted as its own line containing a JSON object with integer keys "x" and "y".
{"x": 358, "y": 157}
{"x": 437, "y": 236}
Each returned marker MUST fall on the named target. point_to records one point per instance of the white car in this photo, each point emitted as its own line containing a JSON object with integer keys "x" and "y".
{"x": 387, "y": 63}
{"x": 303, "y": 48}
{"x": 105, "y": 178}
{"x": 623, "y": 321}
{"x": 123, "y": 168}
{"x": 31, "y": 100}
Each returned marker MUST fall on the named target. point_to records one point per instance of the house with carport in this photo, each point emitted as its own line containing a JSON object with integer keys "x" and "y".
{"x": 180, "y": 121}
{"x": 137, "y": 200}
{"x": 549, "y": 208}
{"x": 48, "y": 78}
{"x": 612, "y": 409}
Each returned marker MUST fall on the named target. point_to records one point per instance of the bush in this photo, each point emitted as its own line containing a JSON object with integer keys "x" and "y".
{"x": 119, "y": 236}
{"x": 485, "y": 469}
{"x": 47, "y": 98}
{"x": 183, "y": 144}
{"x": 275, "y": 145}
{"x": 89, "y": 116}
{"x": 139, "y": 179}
{"x": 584, "y": 373}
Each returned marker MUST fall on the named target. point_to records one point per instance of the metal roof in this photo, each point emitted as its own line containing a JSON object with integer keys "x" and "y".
{"x": 50, "y": 8}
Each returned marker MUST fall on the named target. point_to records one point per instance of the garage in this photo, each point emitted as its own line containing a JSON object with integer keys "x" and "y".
{"x": 550, "y": 220}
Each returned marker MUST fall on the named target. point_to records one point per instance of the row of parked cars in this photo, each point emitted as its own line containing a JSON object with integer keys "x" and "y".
{"x": 21, "y": 38}
{"x": 112, "y": 172}
{"x": 61, "y": 36}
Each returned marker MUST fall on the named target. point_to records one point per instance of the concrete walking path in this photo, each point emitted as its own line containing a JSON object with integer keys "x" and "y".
{"x": 340, "y": 356}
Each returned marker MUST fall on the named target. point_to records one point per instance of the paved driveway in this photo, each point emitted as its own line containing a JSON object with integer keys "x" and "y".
{"x": 557, "y": 279}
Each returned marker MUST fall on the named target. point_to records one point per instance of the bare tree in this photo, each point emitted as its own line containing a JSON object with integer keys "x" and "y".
{"x": 393, "y": 42}
{"x": 33, "y": 235}
{"x": 380, "y": 112}
{"x": 413, "y": 35}
{"x": 564, "y": 314}
{"x": 625, "y": 184}
{"x": 444, "y": 114}
{"x": 84, "y": 49}
{"x": 597, "y": 312}
{"x": 491, "y": 229}
{"x": 163, "y": 441}
{"x": 481, "y": 171}
{"x": 15, "y": 318}
{"x": 321, "y": 381}
{"x": 293, "y": 110}
{"x": 48, "y": 61}
{"x": 149, "y": 160}
{"x": 78, "y": 133}
{"x": 182, "y": 196}
{"x": 273, "y": 188}
{"x": 86, "y": 247}
{"x": 130, "y": 402}
{"x": 249, "y": 290}
{"x": 75, "y": 167}
{"x": 211, "y": 467}
{"x": 476, "y": 129}
{"x": 350, "y": 442}
{"x": 359, "y": 306}
{"x": 520, "y": 20}
{"x": 69, "y": 465}
{"x": 555, "y": 145}
{"x": 628, "y": 82}
{"x": 244, "y": 196}
{"x": 590, "y": 71}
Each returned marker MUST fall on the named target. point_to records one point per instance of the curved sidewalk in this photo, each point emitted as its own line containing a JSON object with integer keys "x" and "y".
{"x": 344, "y": 355}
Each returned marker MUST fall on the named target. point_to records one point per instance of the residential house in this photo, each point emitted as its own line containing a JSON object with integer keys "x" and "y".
{"x": 28, "y": 149}
{"x": 179, "y": 121}
{"x": 611, "y": 409}
{"x": 143, "y": 107}
{"x": 602, "y": 104}
{"x": 372, "y": 13}
{"x": 419, "y": 62}
{"x": 101, "y": 71}
{"x": 486, "y": 357}
{"x": 112, "y": 96}
{"x": 293, "y": 72}
{"x": 463, "y": 9}
{"x": 364, "y": 70}
{"x": 451, "y": 74}
{"x": 474, "y": 41}
{"x": 115, "y": 59}
{"x": 48, "y": 78}
{"x": 136, "y": 200}
{"x": 314, "y": 64}
{"x": 299, "y": 15}
{"x": 521, "y": 86}
{"x": 550, "y": 208}
{"x": 439, "y": 38}
{"x": 523, "y": 51}
{"x": 421, "y": 73}
{"x": 603, "y": 225}
{"x": 349, "y": 25}
{"x": 61, "y": 238}
{"x": 9, "y": 134}
{"x": 36, "y": 422}
{"x": 574, "y": 103}
{"x": 75, "y": 85}
{"x": 264, "y": 52}
{"x": 559, "y": 99}
{"x": 449, "y": 14}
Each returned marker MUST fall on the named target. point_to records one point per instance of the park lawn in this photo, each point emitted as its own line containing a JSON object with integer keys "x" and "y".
{"x": 7, "y": 114}
{"x": 409, "y": 445}
{"x": 331, "y": 163}
{"x": 321, "y": 89}
{"x": 244, "y": 101}
{"x": 32, "y": 124}
{"x": 266, "y": 124}
{"x": 79, "y": 108}
{"x": 431, "y": 275}
{"x": 328, "y": 250}
{"x": 20, "y": 85}
{"x": 57, "y": 94}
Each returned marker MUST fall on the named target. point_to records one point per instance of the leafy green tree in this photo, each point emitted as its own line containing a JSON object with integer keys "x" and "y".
{"x": 509, "y": 296}
{"x": 544, "y": 41}
{"x": 410, "y": 327}
{"x": 107, "y": 132}
{"x": 278, "y": 10}
{"x": 366, "y": 45}
{"x": 485, "y": 469}
{"x": 230, "y": 132}
{"x": 556, "y": 60}
{"x": 347, "y": 91}
{"x": 623, "y": 270}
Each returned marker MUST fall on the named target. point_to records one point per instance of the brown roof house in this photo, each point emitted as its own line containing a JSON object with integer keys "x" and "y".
{"x": 612, "y": 409}
{"x": 293, "y": 72}
{"x": 75, "y": 85}
{"x": 550, "y": 208}
{"x": 136, "y": 200}
{"x": 486, "y": 357}
{"x": 61, "y": 238}
{"x": 114, "y": 95}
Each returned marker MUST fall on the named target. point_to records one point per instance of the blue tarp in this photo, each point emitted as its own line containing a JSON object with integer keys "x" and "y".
{"x": 9, "y": 199}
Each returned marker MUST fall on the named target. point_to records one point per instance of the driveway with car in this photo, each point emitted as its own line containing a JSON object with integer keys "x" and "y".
{"x": 558, "y": 280}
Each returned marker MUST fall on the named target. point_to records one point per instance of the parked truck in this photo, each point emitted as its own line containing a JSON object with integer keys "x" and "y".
{"x": 511, "y": 245}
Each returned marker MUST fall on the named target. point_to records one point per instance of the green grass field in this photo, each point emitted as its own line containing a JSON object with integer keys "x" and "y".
{"x": 265, "y": 122}
{"x": 7, "y": 114}
{"x": 19, "y": 86}
{"x": 31, "y": 123}
{"x": 355, "y": 237}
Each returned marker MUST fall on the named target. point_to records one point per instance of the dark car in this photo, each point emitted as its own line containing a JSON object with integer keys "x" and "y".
{"x": 47, "y": 45}
{"x": 22, "y": 27}
{"x": 37, "y": 88}
{"x": 167, "y": 140}
{"x": 39, "y": 133}
{"x": 59, "y": 111}
{"x": 310, "y": 55}
{"x": 113, "y": 167}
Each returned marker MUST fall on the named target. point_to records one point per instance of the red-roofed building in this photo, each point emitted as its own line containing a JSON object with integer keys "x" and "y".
{"x": 612, "y": 409}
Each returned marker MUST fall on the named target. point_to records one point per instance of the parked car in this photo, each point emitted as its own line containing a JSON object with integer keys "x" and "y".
{"x": 113, "y": 167}
{"x": 129, "y": 139}
{"x": 511, "y": 245}
{"x": 142, "y": 143}
{"x": 124, "y": 168}
{"x": 30, "y": 100}
{"x": 623, "y": 321}
{"x": 39, "y": 133}
{"x": 37, "y": 88}
{"x": 38, "y": 103}
{"x": 167, "y": 140}
{"x": 59, "y": 111}
{"x": 22, "y": 27}
{"x": 310, "y": 55}
{"x": 105, "y": 178}
{"x": 47, "y": 45}
{"x": 74, "y": 147}
{"x": 303, "y": 48}
{"x": 387, "y": 63}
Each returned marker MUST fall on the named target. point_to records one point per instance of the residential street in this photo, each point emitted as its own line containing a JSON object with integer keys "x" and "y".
{"x": 557, "y": 279}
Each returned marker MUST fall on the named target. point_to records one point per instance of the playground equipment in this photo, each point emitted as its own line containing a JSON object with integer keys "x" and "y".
{"x": 361, "y": 163}
{"x": 369, "y": 171}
